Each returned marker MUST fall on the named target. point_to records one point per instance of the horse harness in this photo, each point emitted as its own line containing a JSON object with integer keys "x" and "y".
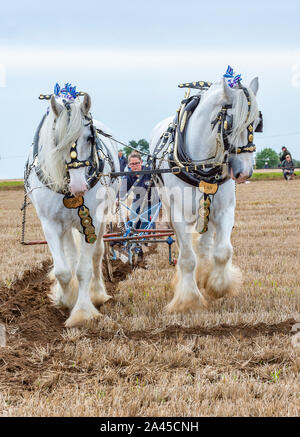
{"x": 95, "y": 163}
{"x": 206, "y": 176}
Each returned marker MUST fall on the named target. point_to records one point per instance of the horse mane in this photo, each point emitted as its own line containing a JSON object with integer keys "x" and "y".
{"x": 55, "y": 142}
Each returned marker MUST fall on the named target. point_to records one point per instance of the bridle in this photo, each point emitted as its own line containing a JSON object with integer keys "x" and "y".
{"x": 99, "y": 155}
{"x": 225, "y": 126}
{"x": 225, "y": 121}
{"x": 178, "y": 158}
{"x": 93, "y": 162}
{"x": 208, "y": 175}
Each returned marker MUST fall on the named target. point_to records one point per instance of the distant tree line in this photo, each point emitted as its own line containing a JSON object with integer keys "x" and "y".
{"x": 141, "y": 145}
{"x": 270, "y": 159}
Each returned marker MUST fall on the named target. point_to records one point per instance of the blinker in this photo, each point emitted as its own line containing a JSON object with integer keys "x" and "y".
{"x": 259, "y": 128}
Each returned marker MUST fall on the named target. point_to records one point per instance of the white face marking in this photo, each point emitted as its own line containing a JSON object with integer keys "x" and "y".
{"x": 78, "y": 182}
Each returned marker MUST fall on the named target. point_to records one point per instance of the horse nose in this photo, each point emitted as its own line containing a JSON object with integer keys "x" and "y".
{"x": 78, "y": 191}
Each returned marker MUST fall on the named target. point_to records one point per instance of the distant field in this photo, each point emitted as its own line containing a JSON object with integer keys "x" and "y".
{"x": 16, "y": 183}
{"x": 264, "y": 174}
{"x": 261, "y": 174}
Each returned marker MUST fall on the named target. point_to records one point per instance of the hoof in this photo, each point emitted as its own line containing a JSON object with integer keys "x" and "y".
{"x": 203, "y": 272}
{"x": 227, "y": 285}
{"x": 100, "y": 299}
{"x": 65, "y": 299}
{"x": 79, "y": 317}
{"x": 98, "y": 293}
{"x": 179, "y": 305}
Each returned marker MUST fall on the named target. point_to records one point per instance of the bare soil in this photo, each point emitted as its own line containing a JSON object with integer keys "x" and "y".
{"x": 235, "y": 358}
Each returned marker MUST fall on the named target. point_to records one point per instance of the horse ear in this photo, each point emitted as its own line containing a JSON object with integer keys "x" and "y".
{"x": 254, "y": 85}
{"x": 56, "y": 107}
{"x": 227, "y": 91}
{"x": 86, "y": 104}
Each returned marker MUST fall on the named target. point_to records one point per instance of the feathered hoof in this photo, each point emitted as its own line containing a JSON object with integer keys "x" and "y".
{"x": 202, "y": 274}
{"x": 100, "y": 299}
{"x": 218, "y": 287}
{"x": 51, "y": 275}
{"x": 178, "y": 305}
{"x": 79, "y": 317}
{"x": 63, "y": 299}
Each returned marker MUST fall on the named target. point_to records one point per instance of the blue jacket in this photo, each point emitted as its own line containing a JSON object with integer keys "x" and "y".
{"x": 141, "y": 185}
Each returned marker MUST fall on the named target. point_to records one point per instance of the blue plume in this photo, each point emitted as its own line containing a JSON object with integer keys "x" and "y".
{"x": 56, "y": 89}
{"x": 67, "y": 91}
{"x": 235, "y": 80}
{"x": 229, "y": 72}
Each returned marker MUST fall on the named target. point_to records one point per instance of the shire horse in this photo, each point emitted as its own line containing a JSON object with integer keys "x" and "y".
{"x": 216, "y": 137}
{"x": 65, "y": 182}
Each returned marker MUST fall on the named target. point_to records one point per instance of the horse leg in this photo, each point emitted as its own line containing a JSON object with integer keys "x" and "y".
{"x": 224, "y": 278}
{"x": 62, "y": 290}
{"x": 203, "y": 245}
{"x": 187, "y": 295}
{"x": 71, "y": 241}
{"x": 84, "y": 309}
{"x": 97, "y": 288}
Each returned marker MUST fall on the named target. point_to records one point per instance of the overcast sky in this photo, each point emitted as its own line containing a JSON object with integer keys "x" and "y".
{"x": 131, "y": 55}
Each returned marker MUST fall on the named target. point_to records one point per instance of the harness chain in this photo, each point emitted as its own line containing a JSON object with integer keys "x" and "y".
{"x": 23, "y": 209}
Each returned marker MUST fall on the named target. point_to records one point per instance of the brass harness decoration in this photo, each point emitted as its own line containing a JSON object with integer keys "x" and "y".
{"x": 72, "y": 202}
{"x": 204, "y": 205}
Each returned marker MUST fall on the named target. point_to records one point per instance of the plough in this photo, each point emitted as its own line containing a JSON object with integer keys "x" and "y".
{"x": 128, "y": 245}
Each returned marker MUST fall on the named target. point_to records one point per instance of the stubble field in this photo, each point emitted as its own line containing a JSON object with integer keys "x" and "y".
{"x": 237, "y": 358}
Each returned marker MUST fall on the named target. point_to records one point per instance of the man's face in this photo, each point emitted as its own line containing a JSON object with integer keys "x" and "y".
{"x": 120, "y": 154}
{"x": 288, "y": 158}
{"x": 135, "y": 164}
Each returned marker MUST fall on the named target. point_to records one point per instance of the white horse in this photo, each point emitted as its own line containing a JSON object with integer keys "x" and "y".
{"x": 67, "y": 134}
{"x": 204, "y": 267}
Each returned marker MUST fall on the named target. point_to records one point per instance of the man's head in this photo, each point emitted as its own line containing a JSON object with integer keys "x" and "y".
{"x": 283, "y": 149}
{"x": 135, "y": 161}
{"x": 288, "y": 157}
{"x": 120, "y": 153}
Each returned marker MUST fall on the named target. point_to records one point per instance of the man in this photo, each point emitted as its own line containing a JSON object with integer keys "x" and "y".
{"x": 140, "y": 187}
{"x": 284, "y": 153}
{"x": 122, "y": 160}
{"x": 288, "y": 167}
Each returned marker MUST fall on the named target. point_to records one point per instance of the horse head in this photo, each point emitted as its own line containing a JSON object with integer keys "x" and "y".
{"x": 75, "y": 137}
{"x": 241, "y": 120}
